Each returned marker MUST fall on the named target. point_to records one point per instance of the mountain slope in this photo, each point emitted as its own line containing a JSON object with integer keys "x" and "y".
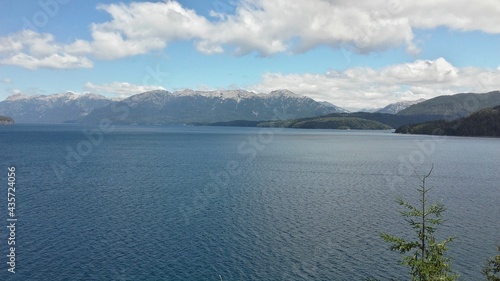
{"x": 394, "y": 108}
{"x": 454, "y": 106}
{"x": 485, "y": 122}
{"x": 188, "y": 106}
{"x": 58, "y": 108}
{"x": 338, "y": 109}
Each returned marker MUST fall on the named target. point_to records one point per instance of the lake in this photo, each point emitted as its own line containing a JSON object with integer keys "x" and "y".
{"x": 212, "y": 203}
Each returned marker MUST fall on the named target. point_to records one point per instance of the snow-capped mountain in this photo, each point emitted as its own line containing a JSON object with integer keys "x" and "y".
{"x": 394, "y": 108}
{"x": 188, "y": 106}
{"x": 164, "y": 107}
{"x": 56, "y": 108}
{"x": 339, "y": 109}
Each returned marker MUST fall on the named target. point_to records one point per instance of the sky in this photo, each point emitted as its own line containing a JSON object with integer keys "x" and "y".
{"x": 354, "y": 54}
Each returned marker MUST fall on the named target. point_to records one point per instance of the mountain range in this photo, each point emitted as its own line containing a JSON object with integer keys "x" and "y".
{"x": 204, "y": 107}
{"x": 57, "y": 108}
{"x": 188, "y": 106}
{"x": 455, "y": 105}
{"x": 164, "y": 107}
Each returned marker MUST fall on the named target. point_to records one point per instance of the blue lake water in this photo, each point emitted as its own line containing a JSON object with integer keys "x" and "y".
{"x": 201, "y": 203}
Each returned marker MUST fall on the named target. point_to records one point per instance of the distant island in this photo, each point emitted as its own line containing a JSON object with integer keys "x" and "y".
{"x": 6, "y": 120}
{"x": 482, "y": 123}
{"x": 339, "y": 123}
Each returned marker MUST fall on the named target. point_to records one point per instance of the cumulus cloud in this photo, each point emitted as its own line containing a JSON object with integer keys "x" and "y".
{"x": 260, "y": 26}
{"x": 34, "y": 50}
{"x": 266, "y": 27}
{"x": 121, "y": 89}
{"x": 54, "y": 61}
{"x": 455, "y": 14}
{"x": 363, "y": 87}
{"x": 270, "y": 27}
{"x": 138, "y": 28}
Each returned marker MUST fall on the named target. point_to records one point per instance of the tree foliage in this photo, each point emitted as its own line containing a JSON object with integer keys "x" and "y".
{"x": 485, "y": 122}
{"x": 492, "y": 268}
{"x": 423, "y": 254}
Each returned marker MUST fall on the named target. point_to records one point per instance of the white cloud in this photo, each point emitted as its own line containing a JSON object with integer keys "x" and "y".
{"x": 121, "y": 89}
{"x": 79, "y": 47}
{"x": 6, "y": 80}
{"x": 364, "y": 87}
{"x": 10, "y": 44}
{"x": 54, "y": 61}
{"x": 267, "y": 27}
{"x": 139, "y": 28}
{"x": 270, "y": 27}
{"x": 34, "y": 50}
{"x": 455, "y": 14}
{"x": 261, "y": 26}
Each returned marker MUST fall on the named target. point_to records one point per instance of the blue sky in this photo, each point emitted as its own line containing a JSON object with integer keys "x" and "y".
{"x": 355, "y": 55}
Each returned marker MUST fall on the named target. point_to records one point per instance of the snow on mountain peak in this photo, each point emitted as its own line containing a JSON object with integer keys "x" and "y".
{"x": 394, "y": 108}
{"x": 17, "y": 96}
{"x": 225, "y": 94}
{"x": 66, "y": 96}
{"x": 285, "y": 92}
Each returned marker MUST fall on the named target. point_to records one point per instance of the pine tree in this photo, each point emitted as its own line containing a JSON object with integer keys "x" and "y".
{"x": 424, "y": 255}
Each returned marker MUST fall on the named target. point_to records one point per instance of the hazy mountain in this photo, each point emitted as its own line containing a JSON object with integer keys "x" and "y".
{"x": 339, "y": 109}
{"x": 394, "y": 108}
{"x": 188, "y": 106}
{"x": 454, "y": 106}
{"x": 369, "y": 110}
{"x": 57, "y": 108}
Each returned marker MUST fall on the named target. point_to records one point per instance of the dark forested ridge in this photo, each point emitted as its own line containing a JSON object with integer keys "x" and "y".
{"x": 392, "y": 120}
{"x": 454, "y": 106}
{"x": 345, "y": 123}
{"x": 354, "y": 121}
{"x": 485, "y": 122}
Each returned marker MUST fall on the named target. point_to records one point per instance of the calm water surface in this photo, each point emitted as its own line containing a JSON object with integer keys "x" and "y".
{"x": 195, "y": 203}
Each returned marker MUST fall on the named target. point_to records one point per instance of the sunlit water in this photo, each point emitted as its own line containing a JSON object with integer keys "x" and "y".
{"x": 195, "y": 203}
